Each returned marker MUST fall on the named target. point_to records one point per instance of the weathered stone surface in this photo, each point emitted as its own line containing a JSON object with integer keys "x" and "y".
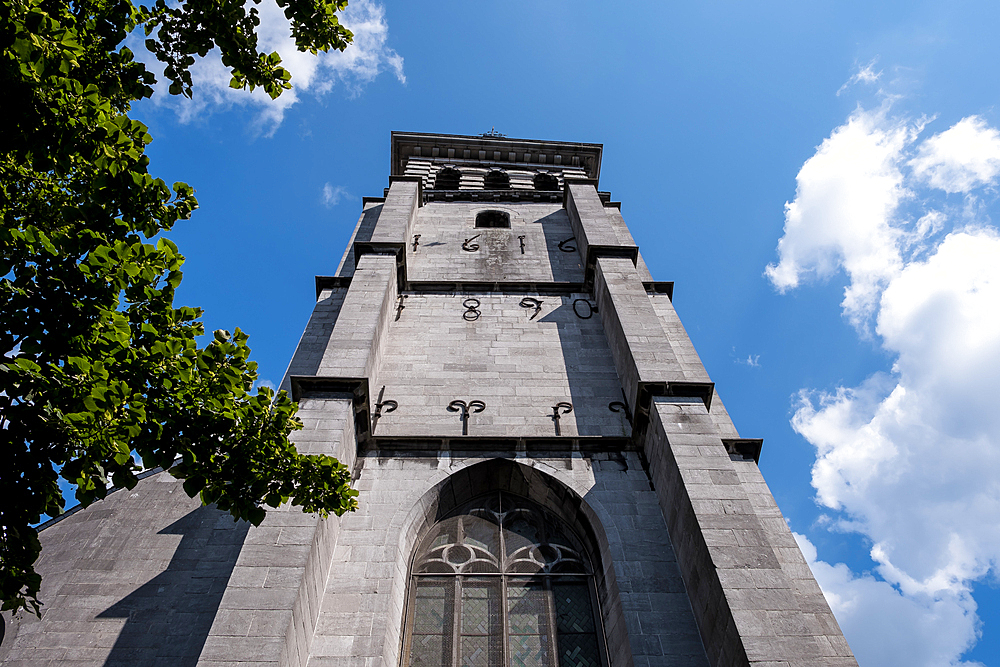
{"x": 693, "y": 562}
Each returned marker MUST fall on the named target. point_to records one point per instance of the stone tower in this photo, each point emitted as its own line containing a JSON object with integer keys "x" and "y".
{"x": 548, "y": 477}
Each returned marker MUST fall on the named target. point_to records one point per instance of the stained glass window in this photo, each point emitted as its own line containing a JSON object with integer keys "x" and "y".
{"x": 502, "y": 583}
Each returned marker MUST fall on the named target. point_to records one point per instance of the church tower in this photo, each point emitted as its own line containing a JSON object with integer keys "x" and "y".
{"x": 547, "y": 475}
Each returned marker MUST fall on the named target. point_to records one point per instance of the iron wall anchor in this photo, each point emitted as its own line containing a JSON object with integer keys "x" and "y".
{"x": 566, "y": 409}
{"x": 622, "y": 406}
{"x": 530, "y": 302}
{"x": 389, "y": 406}
{"x": 563, "y": 245}
{"x": 466, "y": 409}
{"x": 520, "y": 238}
{"x": 469, "y": 246}
{"x": 471, "y": 306}
{"x": 591, "y": 309}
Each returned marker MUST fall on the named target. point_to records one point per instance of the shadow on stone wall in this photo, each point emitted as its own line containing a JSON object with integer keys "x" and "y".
{"x": 169, "y": 618}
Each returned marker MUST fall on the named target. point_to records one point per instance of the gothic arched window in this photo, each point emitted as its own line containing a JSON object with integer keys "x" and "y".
{"x": 448, "y": 178}
{"x": 502, "y": 583}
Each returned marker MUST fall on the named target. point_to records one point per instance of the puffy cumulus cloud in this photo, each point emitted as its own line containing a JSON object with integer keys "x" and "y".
{"x": 367, "y": 57}
{"x": 886, "y": 627}
{"x": 908, "y": 458}
{"x": 961, "y": 158}
{"x": 842, "y": 215}
{"x": 912, "y": 457}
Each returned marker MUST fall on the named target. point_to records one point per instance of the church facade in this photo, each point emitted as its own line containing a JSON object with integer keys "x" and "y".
{"x": 547, "y": 475}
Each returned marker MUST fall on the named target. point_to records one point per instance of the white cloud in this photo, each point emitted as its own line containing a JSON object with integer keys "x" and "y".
{"x": 265, "y": 383}
{"x": 842, "y": 215}
{"x": 909, "y": 458}
{"x": 886, "y": 627}
{"x": 965, "y": 156}
{"x": 332, "y": 194}
{"x": 865, "y": 74}
{"x": 367, "y": 57}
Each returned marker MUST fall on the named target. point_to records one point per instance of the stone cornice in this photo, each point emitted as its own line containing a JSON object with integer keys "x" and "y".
{"x": 494, "y": 151}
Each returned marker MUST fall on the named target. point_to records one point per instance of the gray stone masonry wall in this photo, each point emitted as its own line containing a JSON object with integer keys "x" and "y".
{"x": 316, "y": 336}
{"x": 398, "y": 213}
{"x": 694, "y": 565}
{"x": 521, "y": 367}
{"x": 624, "y": 236}
{"x": 647, "y": 617}
{"x": 690, "y": 363}
{"x": 270, "y": 609}
{"x": 748, "y": 609}
{"x": 444, "y": 226}
{"x": 133, "y": 580}
{"x": 355, "y": 341}
{"x": 362, "y": 232}
{"x": 640, "y": 347}
{"x": 815, "y": 612}
{"x": 591, "y": 225}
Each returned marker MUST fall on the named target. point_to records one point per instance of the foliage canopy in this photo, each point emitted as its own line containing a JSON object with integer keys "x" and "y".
{"x": 97, "y": 362}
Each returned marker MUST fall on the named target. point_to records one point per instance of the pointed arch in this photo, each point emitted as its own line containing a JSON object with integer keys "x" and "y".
{"x": 582, "y": 552}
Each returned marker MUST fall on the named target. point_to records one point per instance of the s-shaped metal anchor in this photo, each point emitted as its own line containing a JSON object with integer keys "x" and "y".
{"x": 389, "y": 406}
{"x": 466, "y": 409}
{"x": 530, "y": 302}
{"x": 622, "y": 406}
{"x": 565, "y": 245}
{"x": 566, "y": 409}
{"x": 469, "y": 246}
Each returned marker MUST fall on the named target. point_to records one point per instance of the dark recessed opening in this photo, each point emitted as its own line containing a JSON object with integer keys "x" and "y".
{"x": 448, "y": 178}
{"x": 497, "y": 180}
{"x": 546, "y": 182}
{"x": 493, "y": 219}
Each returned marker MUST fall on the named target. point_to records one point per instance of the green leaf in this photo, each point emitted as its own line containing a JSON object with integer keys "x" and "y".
{"x": 104, "y": 363}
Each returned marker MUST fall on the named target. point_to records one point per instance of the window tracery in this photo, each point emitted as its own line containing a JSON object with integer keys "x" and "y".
{"x": 502, "y": 582}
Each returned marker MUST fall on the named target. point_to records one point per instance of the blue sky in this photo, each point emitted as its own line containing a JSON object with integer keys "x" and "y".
{"x": 860, "y": 136}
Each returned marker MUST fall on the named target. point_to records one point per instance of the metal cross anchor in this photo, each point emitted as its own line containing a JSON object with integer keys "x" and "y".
{"x": 520, "y": 238}
{"x": 469, "y": 246}
{"x": 566, "y": 409}
{"x": 530, "y": 302}
{"x": 389, "y": 406}
{"x": 466, "y": 409}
